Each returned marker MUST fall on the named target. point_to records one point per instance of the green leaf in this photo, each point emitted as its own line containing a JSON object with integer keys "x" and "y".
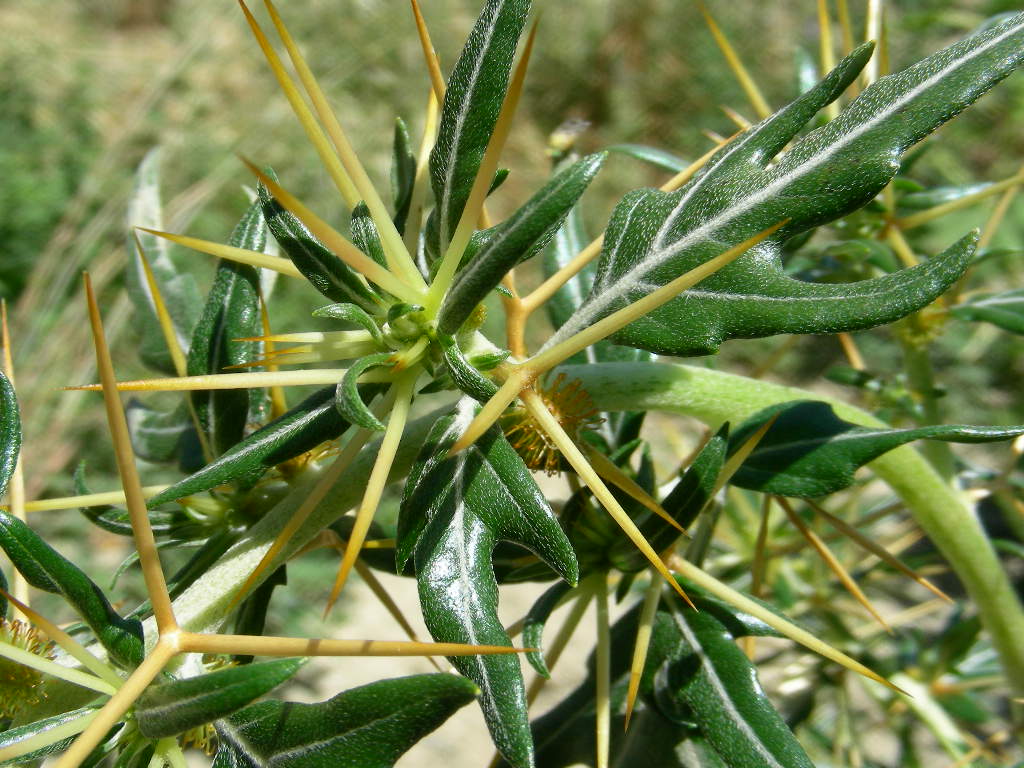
{"x": 523, "y": 234}
{"x": 455, "y": 510}
{"x": 325, "y": 271}
{"x": 736, "y": 622}
{"x": 298, "y": 430}
{"x": 252, "y": 613}
{"x": 157, "y": 435}
{"x": 366, "y": 727}
{"x": 1005, "y": 310}
{"x": 473, "y": 99}
{"x": 44, "y": 568}
{"x": 717, "y": 681}
{"x": 403, "y": 173}
{"x": 464, "y": 374}
{"x": 929, "y": 198}
{"x": 10, "y": 432}
{"x": 652, "y": 155}
{"x": 352, "y": 313}
{"x": 167, "y": 709}
{"x": 178, "y": 290}
{"x": 347, "y": 397}
{"x": 117, "y": 521}
{"x": 536, "y": 619}
{"x": 809, "y": 451}
{"x": 365, "y": 235}
{"x": 12, "y": 736}
{"x": 653, "y": 237}
{"x": 232, "y": 312}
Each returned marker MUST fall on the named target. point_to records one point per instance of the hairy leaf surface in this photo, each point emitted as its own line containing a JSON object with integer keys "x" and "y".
{"x": 367, "y": 727}
{"x": 10, "y": 432}
{"x": 654, "y": 237}
{"x": 454, "y": 511}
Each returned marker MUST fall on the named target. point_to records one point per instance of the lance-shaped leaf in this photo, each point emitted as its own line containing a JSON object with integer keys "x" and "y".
{"x": 232, "y": 312}
{"x": 167, "y": 709}
{"x": 348, "y": 399}
{"x": 1005, "y": 310}
{"x": 365, "y": 235}
{"x": 156, "y": 435}
{"x": 44, "y": 568}
{"x": 403, "y": 173}
{"x": 10, "y": 432}
{"x": 472, "y": 101}
{"x": 809, "y": 451}
{"x": 13, "y": 736}
{"x": 296, "y": 431}
{"x": 652, "y": 155}
{"x": 518, "y": 238}
{"x": 717, "y": 681}
{"x": 655, "y": 237}
{"x": 536, "y": 619}
{"x": 367, "y": 727}
{"x": 179, "y": 290}
{"x": 456, "y": 510}
{"x": 325, "y": 271}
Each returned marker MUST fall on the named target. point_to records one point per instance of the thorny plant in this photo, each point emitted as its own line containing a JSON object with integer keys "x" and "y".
{"x": 716, "y": 254}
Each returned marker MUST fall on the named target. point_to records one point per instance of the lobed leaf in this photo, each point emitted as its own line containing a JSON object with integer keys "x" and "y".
{"x": 654, "y": 237}
{"x": 366, "y": 727}
{"x": 167, "y": 709}
{"x": 454, "y": 511}
{"x": 536, "y": 619}
{"x": 809, "y": 451}
{"x": 473, "y": 99}
{"x": 518, "y": 238}
{"x": 232, "y": 312}
{"x": 46, "y": 569}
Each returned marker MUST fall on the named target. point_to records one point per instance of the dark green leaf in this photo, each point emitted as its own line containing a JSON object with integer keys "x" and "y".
{"x": 1005, "y": 310}
{"x": 653, "y": 155}
{"x": 454, "y": 511}
{"x": 403, "y": 173}
{"x": 347, "y": 398}
{"x": 44, "y": 568}
{"x": 465, "y": 375}
{"x": 717, "y": 681}
{"x": 232, "y": 312}
{"x": 167, "y": 709}
{"x": 178, "y": 290}
{"x": 12, "y": 736}
{"x": 367, "y": 727}
{"x": 929, "y": 198}
{"x": 473, "y": 99}
{"x": 351, "y": 313}
{"x": 524, "y": 233}
{"x": 809, "y": 451}
{"x": 536, "y": 619}
{"x": 735, "y": 621}
{"x": 300, "y": 429}
{"x": 10, "y": 432}
{"x": 654, "y": 237}
{"x": 325, "y": 271}
{"x": 156, "y": 435}
{"x": 365, "y": 236}
{"x": 252, "y": 613}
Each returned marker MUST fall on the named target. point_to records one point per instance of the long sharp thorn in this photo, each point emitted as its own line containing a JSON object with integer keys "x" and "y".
{"x": 225, "y": 381}
{"x": 998, "y": 213}
{"x": 375, "y": 484}
{"x": 88, "y": 499}
{"x": 482, "y": 183}
{"x": 826, "y": 51}
{"x": 46, "y": 738}
{"x": 602, "y": 704}
{"x": 336, "y": 242}
{"x": 917, "y": 219}
{"x": 832, "y": 562}
{"x": 607, "y": 469}
{"x": 398, "y": 260}
{"x": 313, "y": 131}
{"x": 547, "y": 422}
{"x": 419, "y": 187}
{"x": 757, "y": 566}
{"x": 231, "y": 253}
{"x": 261, "y": 645}
{"x": 429, "y": 54}
{"x": 16, "y": 485}
{"x": 491, "y": 411}
{"x": 878, "y": 550}
{"x": 754, "y": 96}
{"x": 145, "y": 543}
{"x": 278, "y": 403}
{"x": 642, "y": 644}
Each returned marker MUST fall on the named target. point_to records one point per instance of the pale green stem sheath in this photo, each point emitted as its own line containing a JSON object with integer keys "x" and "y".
{"x": 47, "y": 667}
{"x": 715, "y": 397}
{"x": 47, "y": 737}
{"x": 603, "y": 704}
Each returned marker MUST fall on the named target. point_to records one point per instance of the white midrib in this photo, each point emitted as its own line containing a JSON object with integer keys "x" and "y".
{"x": 460, "y": 121}
{"x": 723, "y": 694}
{"x": 593, "y": 309}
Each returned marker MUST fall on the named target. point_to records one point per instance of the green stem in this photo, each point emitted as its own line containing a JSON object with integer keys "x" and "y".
{"x": 921, "y": 378}
{"x": 715, "y": 397}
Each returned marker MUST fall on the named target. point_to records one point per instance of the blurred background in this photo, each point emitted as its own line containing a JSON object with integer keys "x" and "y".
{"x": 88, "y": 87}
